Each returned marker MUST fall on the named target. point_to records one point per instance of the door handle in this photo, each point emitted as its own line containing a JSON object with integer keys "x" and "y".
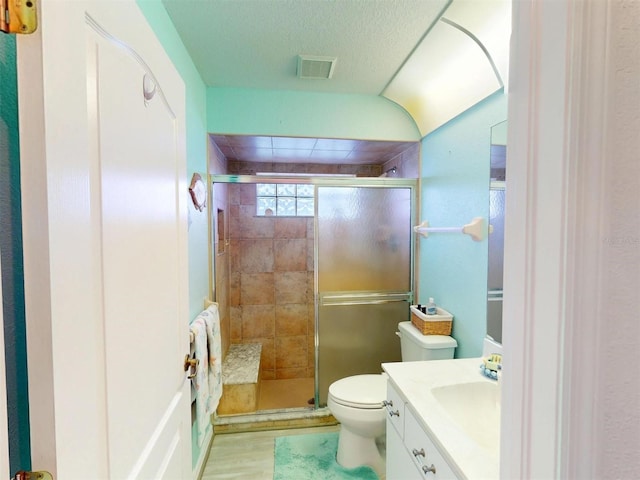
{"x": 22, "y": 475}
{"x": 189, "y": 363}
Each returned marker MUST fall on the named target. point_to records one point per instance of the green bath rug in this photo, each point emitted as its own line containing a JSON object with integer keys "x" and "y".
{"x": 313, "y": 457}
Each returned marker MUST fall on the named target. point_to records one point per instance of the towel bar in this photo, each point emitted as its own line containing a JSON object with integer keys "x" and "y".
{"x": 208, "y": 303}
{"x": 475, "y": 229}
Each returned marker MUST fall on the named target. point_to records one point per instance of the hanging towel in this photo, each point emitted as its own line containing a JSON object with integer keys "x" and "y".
{"x": 208, "y": 381}
{"x": 214, "y": 344}
{"x": 201, "y": 381}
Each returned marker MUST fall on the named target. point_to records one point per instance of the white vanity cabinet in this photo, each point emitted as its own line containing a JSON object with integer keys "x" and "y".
{"x": 395, "y": 410}
{"x": 399, "y": 462}
{"x": 425, "y": 454}
{"x": 448, "y": 413}
{"x": 411, "y": 455}
{"x": 400, "y": 465}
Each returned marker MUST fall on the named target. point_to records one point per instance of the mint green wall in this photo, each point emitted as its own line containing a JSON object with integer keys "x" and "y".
{"x": 12, "y": 267}
{"x": 196, "y": 113}
{"x": 455, "y": 189}
{"x": 306, "y": 114}
{"x": 196, "y": 94}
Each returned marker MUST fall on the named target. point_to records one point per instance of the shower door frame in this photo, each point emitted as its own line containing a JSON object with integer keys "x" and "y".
{"x": 333, "y": 181}
{"x": 495, "y": 294}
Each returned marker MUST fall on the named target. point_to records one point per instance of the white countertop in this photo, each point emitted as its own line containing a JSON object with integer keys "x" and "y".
{"x": 414, "y": 381}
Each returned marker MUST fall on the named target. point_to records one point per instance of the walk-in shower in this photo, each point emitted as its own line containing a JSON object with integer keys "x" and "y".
{"x": 325, "y": 291}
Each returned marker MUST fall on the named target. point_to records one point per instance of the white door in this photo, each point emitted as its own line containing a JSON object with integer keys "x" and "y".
{"x": 103, "y": 154}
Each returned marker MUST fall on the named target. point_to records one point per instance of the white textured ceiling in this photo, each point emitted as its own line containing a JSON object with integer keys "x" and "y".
{"x": 435, "y": 58}
{"x": 255, "y": 43}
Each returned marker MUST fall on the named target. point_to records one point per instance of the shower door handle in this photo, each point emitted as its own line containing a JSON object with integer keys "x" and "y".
{"x": 327, "y": 299}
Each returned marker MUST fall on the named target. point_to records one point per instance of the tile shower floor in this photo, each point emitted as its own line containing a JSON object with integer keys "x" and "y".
{"x": 288, "y": 393}
{"x": 248, "y": 455}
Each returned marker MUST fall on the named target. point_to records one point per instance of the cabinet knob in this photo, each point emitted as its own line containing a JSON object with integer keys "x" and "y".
{"x": 392, "y": 413}
{"x": 431, "y": 469}
{"x": 387, "y": 403}
{"x": 420, "y": 452}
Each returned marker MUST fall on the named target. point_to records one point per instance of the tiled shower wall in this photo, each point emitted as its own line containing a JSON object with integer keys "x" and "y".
{"x": 407, "y": 164}
{"x": 271, "y": 286}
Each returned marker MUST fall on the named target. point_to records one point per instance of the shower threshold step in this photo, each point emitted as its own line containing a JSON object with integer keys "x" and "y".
{"x": 273, "y": 420}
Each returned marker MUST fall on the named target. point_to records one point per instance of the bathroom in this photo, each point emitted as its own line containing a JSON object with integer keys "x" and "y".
{"x": 475, "y": 126}
{"x": 268, "y": 115}
{"x": 251, "y": 111}
{"x": 204, "y": 120}
{"x": 289, "y": 358}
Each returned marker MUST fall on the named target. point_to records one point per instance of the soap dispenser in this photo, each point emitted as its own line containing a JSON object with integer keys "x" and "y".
{"x": 431, "y": 307}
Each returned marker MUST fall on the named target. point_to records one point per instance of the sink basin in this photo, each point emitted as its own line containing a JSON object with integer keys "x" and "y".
{"x": 475, "y": 408}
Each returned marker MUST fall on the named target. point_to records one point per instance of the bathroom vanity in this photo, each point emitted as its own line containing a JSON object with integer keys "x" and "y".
{"x": 443, "y": 421}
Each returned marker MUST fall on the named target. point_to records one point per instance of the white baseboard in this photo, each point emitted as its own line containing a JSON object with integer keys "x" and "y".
{"x": 204, "y": 454}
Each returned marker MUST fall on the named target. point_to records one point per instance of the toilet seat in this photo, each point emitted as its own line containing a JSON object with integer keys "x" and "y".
{"x": 359, "y": 391}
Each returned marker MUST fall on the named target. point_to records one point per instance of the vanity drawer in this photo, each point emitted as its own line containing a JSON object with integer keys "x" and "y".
{"x": 425, "y": 454}
{"x": 395, "y": 409}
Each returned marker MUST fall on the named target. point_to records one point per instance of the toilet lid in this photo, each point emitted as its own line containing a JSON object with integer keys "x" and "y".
{"x": 360, "y": 391}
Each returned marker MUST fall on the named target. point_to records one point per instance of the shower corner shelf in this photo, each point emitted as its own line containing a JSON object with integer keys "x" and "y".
{"x": 475, "y": 229}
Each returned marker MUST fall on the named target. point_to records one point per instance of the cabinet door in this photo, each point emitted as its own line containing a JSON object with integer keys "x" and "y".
{"x": 423, "y": 452}
{"x": 400, "y": 465}
{"x": 395, "y": 409}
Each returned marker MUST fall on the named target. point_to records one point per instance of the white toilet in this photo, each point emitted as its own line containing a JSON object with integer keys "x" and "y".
{"x": 356, "y": 402}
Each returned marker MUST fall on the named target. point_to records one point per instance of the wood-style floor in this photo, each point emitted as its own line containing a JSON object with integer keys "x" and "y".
{"x": 248, "y": 455}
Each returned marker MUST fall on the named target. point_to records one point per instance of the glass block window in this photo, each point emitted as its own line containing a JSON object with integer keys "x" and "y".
{"x": 284, "y": 200}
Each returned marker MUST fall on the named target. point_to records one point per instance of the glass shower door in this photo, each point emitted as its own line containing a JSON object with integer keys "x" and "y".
{"x": 363, "y": 279}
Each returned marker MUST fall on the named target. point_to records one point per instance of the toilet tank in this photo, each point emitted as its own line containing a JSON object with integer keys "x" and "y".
{"x": 416, "y": 346}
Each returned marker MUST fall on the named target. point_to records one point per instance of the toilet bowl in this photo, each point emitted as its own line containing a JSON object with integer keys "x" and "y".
{"x": 356, "y": 402}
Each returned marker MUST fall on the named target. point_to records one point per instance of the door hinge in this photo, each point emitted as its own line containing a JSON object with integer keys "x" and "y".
{"x": 18, "y": 16}
{"x": 22, "y": 475}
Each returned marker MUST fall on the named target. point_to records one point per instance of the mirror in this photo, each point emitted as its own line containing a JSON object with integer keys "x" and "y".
{"x": 496, "y": 239}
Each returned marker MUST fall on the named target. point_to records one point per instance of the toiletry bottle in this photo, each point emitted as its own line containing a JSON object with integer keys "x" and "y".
{"x": 431, "y": 307}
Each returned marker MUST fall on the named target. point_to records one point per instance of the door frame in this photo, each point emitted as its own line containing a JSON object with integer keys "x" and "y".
{"x": 565, "y": 141}
{"x": 323, "y": 299}
{"x": 4, "y": 426}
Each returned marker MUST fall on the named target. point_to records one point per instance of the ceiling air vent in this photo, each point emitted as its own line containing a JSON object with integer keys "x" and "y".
{"x": 313, "y": 67}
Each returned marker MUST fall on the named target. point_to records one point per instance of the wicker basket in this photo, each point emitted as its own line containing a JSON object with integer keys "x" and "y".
{"x": 438, "y": 324}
